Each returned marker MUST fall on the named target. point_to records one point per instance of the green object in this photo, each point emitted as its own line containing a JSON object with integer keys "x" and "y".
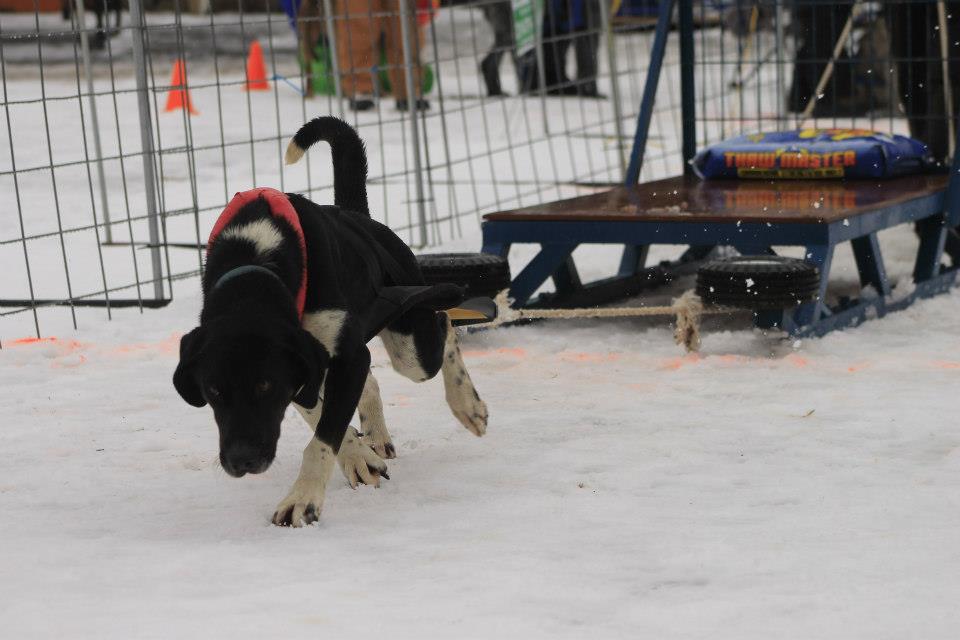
{"x": 527, "y": 20}
{"x": 321, "y": 71}
{"x": 384, "y": 76}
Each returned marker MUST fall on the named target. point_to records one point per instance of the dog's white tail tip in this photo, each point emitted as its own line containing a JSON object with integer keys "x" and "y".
{"x": 293, "y": 154}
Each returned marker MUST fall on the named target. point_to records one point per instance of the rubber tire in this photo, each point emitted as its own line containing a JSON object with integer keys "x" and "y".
{"x": 481, "y": 274}
{"x": 775, "y": 282}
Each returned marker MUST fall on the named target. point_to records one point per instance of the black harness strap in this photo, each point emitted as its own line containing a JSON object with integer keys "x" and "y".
{"x": 393, "y": 302}
{"x": 236, "y": 272}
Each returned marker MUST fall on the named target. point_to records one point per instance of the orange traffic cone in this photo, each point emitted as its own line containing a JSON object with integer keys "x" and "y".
{"x": 179, "y": 96}
{"x": 256, "y": 69}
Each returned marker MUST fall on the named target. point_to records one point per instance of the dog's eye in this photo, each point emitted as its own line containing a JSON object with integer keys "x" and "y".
{"x": 263, "y": 387}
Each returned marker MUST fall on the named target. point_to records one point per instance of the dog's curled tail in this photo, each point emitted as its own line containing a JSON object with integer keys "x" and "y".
{"x": 349, "y": 159}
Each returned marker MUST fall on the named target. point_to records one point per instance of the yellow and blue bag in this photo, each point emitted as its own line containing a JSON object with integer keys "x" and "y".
{"x": 813, "y": 153}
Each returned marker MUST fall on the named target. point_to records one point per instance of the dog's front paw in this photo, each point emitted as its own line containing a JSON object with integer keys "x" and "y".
{"x": 301, "y": 507}
{"x": 379, "y": 441}
{"x": 469, "y": 409}
{"x": 359, "y": 462}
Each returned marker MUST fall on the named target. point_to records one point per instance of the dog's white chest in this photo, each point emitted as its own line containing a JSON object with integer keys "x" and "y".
{"x": 326, "y": 326}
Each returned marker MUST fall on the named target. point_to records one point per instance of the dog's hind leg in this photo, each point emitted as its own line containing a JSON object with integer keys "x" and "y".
{"x": 414, "y": 343}
{"x": 372, "y": 423}
{"x": 423, "y": 343}
{"x": 462, "y": 396}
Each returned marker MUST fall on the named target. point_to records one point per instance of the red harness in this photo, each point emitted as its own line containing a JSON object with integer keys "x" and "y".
{"x": 280, "y": 207}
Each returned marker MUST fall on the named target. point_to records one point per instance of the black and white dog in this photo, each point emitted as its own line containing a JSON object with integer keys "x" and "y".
{"x": 293, "y": 291}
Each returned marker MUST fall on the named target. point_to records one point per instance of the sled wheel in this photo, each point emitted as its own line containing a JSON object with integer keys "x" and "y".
{"x": 481, "y": 274}
{"x": 758, "y": 282}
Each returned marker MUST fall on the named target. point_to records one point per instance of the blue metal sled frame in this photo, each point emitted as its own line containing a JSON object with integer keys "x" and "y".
{"x": 558, "y": 240}
{"x": 932, "y": 214}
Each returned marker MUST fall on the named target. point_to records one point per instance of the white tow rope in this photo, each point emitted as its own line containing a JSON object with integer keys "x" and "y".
{"x": 687, "y": 309}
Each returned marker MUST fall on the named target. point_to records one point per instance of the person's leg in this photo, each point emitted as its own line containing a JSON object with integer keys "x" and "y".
{"x": 908, "y": 25}
{"x": 356, "y": 41}
{"x": 397, "y": 65}
{"x": 831, "y": 20}
{"x": 919, "y": 83}
{"x": 817, "y": 27}
{"x": 309, "y": 34}
{"x": 586, "y": 46}
{"x": 499, "y": 16}
{"x": 919, "y": 70}
{"x": 556, "y": 41}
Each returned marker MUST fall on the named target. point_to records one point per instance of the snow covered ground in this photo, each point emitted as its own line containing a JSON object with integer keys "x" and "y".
{"x": 760, "y": 489}
{"x": 764, "y": 488}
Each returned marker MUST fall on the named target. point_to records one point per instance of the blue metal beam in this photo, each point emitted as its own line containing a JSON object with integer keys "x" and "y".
{"x": 688, "y": 114}
{"x": 866, "y": 251}
{"x": 933, "y": 235}
{"x": 856, "y": 314}
{"x": 544, "y": 265}
{"x": 649, "y": 92}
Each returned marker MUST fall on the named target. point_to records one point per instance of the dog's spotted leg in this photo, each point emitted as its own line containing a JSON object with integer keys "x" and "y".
{"x": 404, "y": 355}
{"x": 342, "y": 394}
{"x": 372, "y": 424}
{"x": 304, "y": 502}
{"x": 359, "y": 462}
{"x": 462, "y": 397}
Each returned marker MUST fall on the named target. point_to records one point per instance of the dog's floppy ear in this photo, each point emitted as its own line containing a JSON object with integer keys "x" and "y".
{"x": 313, "y": 358}
{"x": 183, "y": 378}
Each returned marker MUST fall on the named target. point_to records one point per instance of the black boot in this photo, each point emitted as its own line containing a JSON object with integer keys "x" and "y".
{"x": 421, "y": 104}
{"x": 361, "y": 104}
{"x": 490, "y": 68}
{"x": 952, "y": 246}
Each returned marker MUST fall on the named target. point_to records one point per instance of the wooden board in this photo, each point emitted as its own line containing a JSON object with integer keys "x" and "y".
{"x": 688, "y": 198}
{"x": 27, "y": 6}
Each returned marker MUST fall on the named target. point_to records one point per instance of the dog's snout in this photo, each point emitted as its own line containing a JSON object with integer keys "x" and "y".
{"x": 242, "y": 459}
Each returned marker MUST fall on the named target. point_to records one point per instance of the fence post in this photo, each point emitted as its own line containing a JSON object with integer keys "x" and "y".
{"x": 688, "y": 102}
{"x": 334, "y": 53}
{"x": 138, "y": 25}
{"x": 408, "y": 63}
{"x": 607, "y": 26}
{"x": 94, "y": 119}
{"x": 538, "y": 17}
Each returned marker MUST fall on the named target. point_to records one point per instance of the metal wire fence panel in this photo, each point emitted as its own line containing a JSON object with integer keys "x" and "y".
{"x": 880, "y": 66}
{"x": 120, "y": 144}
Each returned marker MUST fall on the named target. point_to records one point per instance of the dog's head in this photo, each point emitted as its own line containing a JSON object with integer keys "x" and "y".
{"x": 248, "y": 376}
